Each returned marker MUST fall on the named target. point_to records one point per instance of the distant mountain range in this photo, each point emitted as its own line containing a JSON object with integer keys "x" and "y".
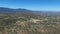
{"x": 4, "y": 10}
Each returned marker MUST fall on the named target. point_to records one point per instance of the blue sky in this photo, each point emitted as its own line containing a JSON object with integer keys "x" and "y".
{"x": 50, "y": 5}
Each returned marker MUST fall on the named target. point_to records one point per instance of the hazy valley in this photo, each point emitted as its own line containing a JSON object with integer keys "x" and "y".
{"x": 23, "y": 21}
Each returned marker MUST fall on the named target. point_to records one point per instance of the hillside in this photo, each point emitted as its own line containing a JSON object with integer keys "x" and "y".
{"x": 23, "y": 21}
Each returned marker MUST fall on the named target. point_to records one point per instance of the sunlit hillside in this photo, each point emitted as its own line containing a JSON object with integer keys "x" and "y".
{"x": 29, "y": 22}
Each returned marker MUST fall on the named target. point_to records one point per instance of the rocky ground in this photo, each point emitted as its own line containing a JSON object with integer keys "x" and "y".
{"x": 27, "y": 24}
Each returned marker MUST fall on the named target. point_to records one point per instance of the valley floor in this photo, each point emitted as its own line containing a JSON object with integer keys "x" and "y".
{"x": 29, "y": 24}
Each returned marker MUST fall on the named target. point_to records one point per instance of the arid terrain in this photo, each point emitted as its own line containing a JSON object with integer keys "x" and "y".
{"x": 28, "y": 23}
{"x": 16, "y": 24}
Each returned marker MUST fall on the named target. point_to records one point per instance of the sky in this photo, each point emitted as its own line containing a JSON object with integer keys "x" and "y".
{"x": 49, "y": 5}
